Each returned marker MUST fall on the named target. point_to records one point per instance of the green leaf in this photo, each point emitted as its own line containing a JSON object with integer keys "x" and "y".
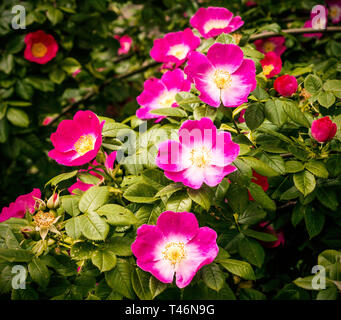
{"x": 326, "y": 99}
{"x": 6, "y": 63}
{"x": 88, "y": 178}
{"x": 204, "y": 111}
{"x": 121, "y": 246}
{"x": 170, "y": 189}
{"x": 254, "y": 115}
{"x": 240, "y": 268}
{"x": 39, "y": 272}
{"x": 57, "y": 76}
{"x": 93, "y": 199}
{"x": 82, "y": 250}
{"x": 24, "y": 90}
{"x": 104, "y": 259}
{"x": 225, "y": 38}
{"x": 170, "y": 112}
{"x": 117, "y": 215}
{"x": 297, "y": 214}
{"x": 252, "y": 251}
{"x": 202, "y": 196}
{"x": 70, "y": 204}
{"x": 140, "y": 282}
{"x": 70, "y": 65}
{"x": 61, "y": 177}
{"x": 213, "y": 276}
{"x": 318, "y": 168}
{"x": 295, "y": 114}
{"x": 260, "y": 167}
{"x": 314, "y": 221}
{"x": 156, "y": 287}
{"x": 332, "y": 85}
{"x": 261, "y": 197}
{"x": 155, "y": 178}
{"x": 148, "y": 214}
{"x": 119, "y": 279}
{"x": 93, "y": 226}
{"x": 293, "y": 166}
{"x": 3, "y": 130}
{"x": 15, "y": 255}
{"x": 329, "y": 257}
{"x": 312, "y": 84}
{"x": 140, "y": 193}
{"x": 18, "y": 117}
{"x": 330, "y": 293}
{"x": 41, "y": 84}
{"x": 54, "y": 15}
{"x": 251, "y": 215}
{"x": 262, "y": 236}
{"x": 179, "y": 202}
{"x": 73, "y": 227}
{"x": 305, "y": 283}
{"x": 274, "y": 112}
{"x": 305, "y": 182}
{"x": 251, "y": 294}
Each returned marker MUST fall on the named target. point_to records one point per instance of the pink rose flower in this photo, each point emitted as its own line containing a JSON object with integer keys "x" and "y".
{"x": 74, "y": 74}
{"x": 125, "y": 44}
{"x": 286, "y": 85}
{"x": 274, "y": 44}
{"x": 213, "y": 21}
{"x": 160, "y": 93}
{"x": 77, "y": 141}
{"x": 260, "y": 180}
{"x": 267, "y": 228}
{"x": 175, "y": 47}
{"x": 202, "y": 156}
{"x": 272, "y": 64}
{"x": 109, "y": 160}
{"x": 335, "y": 10}
{"x": 323, "y": 129}
{"x": 223, "y": 75}
{"x": 85, "y": 186}
{"x": 175, "y": 245}
{"x": 320, "y": 23}
{"x": 251, "y": 3}
{"x": 40, "y": 47}
{"x": 18, "y": 208}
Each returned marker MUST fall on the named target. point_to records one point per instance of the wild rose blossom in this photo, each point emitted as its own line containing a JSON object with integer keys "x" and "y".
{"x": 212, "y": 21}
{"x": 223, "y": 75}
{"x": 125, "y": 44}
{"x": 18, "y": 208}
{"x": 160, "y": 93}
{"x": 175, "y": 47}
{"x": 319, "y": 23}
{"x": 202, "y": 155}
{"x": 271, "y": 64}
{"x": 47, "y": 120}
{"x": 323, "y": 129}
{"x": 175, "y": 245}
{"x": 109, "y": 160}
{"x": 77, "y": 141}
{"x": 286, "y": 85}
{"x": 272, "y": 44}
{"x": 260, "y": 180}
{"x": 85, "y": 186}
{"x": 40, "y": 47}
{"x": 335, "y": 10}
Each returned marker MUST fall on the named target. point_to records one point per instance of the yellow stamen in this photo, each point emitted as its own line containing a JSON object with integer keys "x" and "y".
{"x": 267, "y": 69}
{"x": 174, "y": 252}
{"x": 334, "y": 12}
{"x": 200, "y": 157}
{"x": 38, "y": 50}
{"x": 85, "y": 144}
{"x": 179, "y": 51}
{"x": 268, "y": 46}
{"x": 222, "y": 79}
{"x": 44, "y": 219}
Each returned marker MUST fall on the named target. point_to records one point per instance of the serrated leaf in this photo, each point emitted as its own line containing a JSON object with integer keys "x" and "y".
{"x": 305, "y": 182}
{"x": 213, "y": 277}
{"x": 104, "y": 259}
{"x": 117, "y": 215}
{"x": 240, "y": 268}
{"x": 93, "y": 198}
{"x": 93, "y": 226}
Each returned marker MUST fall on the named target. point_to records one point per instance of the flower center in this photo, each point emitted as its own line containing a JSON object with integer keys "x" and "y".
{"x": 268, "y": 46}
{"x": 222, "y": 79}
{"x": 85, "y": 144}
{"x": 334, "y": 12}
{"x": 267, "y": 69}
{"x": 179, "y": 51}
{"x": 167, "y": 100}
{"x": 44, "y": 219}
{"x": 174, "y": 252}
{"x": 200, "y": 157}
{"x": 39, "y": 50}
{"x": 215, "y": 24}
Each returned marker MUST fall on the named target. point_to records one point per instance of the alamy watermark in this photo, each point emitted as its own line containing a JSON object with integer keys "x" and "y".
{"x": 19, "y": 20}
{"x": 19, "y": 278}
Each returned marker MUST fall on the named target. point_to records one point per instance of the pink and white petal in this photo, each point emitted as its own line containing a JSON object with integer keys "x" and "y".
{"x": 109, "y": 160}
{"x": 149, "y": 243}
{"x": 236, "y": 23}
{"x": 198, "y": 65}
{"x": 159, "y": 50}
{"x": 198, "y": 132}
{"x": 143, "y": 113}
{"x": 209, "y": 92}
{"x": 178, "y": 226}
{"x": 176, "y": 80}
{"x": 190, "y": 39}
{"x": 228, "y": 57}
{"x": 225, "y": 150}
{"x": 86, "y": 121}
{"x": 81, "y": 186}
{"x": 66, "y": 136}
{"x": 236, "y": 94}
{"x": 213, "y": 175}
{"x": 246, "y": 73}
{"x": 161, "y": 269}
{"x": 64, "y": 158}
{"x": 191, "y": 177}
{"x": 170, "y": 157}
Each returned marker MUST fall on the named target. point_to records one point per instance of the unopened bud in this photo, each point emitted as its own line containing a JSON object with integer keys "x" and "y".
{"x": 53, "y": 202}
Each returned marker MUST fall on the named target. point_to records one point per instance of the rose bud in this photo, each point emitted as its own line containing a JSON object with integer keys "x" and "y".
{"x": 53, "y": 201}
{"x": 286, "y": 85}
{"x": 323, "y": 129}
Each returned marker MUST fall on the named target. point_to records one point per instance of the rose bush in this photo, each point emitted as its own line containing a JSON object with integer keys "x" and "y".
{"x": 220, "y": 181}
